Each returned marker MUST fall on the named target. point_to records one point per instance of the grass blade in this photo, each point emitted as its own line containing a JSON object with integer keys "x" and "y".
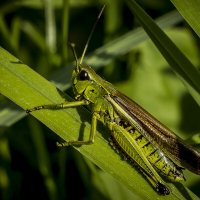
{"x": 181, "y": 65}
{"x": 190, "y": 11}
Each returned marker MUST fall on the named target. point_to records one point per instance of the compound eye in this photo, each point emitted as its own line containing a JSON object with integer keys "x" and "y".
{"x": 84, "y": 75}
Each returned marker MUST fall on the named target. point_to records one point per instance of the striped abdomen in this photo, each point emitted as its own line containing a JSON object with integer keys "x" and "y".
{"x": 155, "y": 156}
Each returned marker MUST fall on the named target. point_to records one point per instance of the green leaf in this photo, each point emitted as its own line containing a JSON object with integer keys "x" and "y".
{"x": 177, "y": 60}
{"x": 27, "y": 89}
{"x": 190, "y": 11}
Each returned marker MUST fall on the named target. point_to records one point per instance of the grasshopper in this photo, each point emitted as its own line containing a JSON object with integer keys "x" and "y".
{"x": 136, "y": 133}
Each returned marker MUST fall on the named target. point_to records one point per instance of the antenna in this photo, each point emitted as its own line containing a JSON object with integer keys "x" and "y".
{"x": 91, "y": 33}
{"x": 72, "y": 45}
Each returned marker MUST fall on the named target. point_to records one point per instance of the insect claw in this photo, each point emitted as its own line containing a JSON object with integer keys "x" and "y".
{"x": 28, "y": 111}
{"x": 62, "y": 144}
{"x": 162, "y": 189}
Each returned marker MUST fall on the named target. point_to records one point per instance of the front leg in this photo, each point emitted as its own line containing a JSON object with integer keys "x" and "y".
{"x": 59, "y": 106}
{"x": 68, "y": 105}
{"x": 91, "y": 137}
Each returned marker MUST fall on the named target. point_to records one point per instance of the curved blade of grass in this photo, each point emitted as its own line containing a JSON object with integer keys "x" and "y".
{"x": 27, "y": 89}
{"x": 182, "y": 66}
{"x": 190, "y": 11}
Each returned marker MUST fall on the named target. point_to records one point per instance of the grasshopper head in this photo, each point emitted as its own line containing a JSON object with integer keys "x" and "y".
{"x": 80, "y": 80}
{"x": 80, "y": 77}
{"x": 86, "y": 83}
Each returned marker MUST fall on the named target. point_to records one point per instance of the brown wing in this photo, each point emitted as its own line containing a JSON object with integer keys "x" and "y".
{"x": 176, "y": 149}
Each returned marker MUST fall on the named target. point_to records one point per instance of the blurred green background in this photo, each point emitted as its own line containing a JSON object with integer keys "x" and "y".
{"x": 38, "y": 32}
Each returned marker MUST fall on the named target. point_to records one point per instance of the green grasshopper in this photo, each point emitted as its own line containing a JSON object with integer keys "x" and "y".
{"x": 136, "y": 133}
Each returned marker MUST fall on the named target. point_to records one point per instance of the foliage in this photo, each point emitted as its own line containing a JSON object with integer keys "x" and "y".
{"x": 37, "y": 32}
